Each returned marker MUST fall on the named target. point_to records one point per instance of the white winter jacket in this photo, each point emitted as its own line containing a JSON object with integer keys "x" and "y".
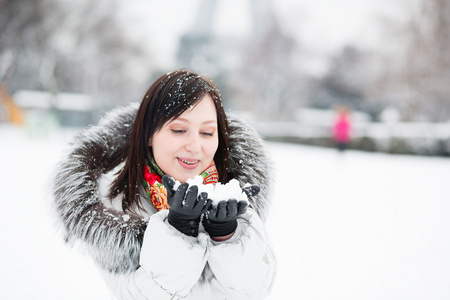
{"x": 174, "y": 266}
{"x": 141, "y": 256}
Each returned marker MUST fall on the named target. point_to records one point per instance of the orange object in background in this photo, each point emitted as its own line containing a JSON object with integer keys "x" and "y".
{"x": 14, "y": 113}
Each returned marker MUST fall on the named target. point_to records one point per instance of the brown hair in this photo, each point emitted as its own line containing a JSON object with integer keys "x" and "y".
{"x": 165, "y": 100}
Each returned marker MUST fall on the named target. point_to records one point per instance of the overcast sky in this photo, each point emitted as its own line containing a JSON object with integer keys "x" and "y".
{"x": 320, "y": 25}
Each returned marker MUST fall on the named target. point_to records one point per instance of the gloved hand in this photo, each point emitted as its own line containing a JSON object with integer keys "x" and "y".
{"x": 186, "y": 206}
{"x": 251, "y": 190}
{"x": 221, "y": 220}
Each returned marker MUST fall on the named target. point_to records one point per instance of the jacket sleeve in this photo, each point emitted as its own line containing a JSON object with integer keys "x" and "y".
{"x": 170, "y": 264}
{"x": 136, "y": 285}
{"x": 245, "y": 264}
{"x": 173, "y": 260}
{"x": 174, "y": 266}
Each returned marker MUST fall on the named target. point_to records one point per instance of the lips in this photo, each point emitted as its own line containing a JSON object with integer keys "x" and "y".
{"x": 188, "y": 163}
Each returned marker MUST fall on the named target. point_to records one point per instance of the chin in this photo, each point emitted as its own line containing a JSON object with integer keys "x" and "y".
{"x": 185, "y": 176}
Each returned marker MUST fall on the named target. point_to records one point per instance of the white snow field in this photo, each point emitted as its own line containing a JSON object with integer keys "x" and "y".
{"x": 356, "y": 226}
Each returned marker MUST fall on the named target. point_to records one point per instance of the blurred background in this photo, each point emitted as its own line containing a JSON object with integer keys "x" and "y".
{"x": 370, "y": 75}
{"x": 293, "y": 62}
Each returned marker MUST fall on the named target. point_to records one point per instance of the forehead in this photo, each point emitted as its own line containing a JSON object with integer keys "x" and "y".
{"x": 203, "y": 109}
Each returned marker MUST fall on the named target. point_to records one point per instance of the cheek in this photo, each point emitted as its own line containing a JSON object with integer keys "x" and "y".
{"x": 162, "y": 149}
{"x": 211, "y": 148}
{"x": 166, "y": 149}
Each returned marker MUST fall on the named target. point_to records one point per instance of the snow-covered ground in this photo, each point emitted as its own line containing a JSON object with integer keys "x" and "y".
{"x": 352, "y": 226}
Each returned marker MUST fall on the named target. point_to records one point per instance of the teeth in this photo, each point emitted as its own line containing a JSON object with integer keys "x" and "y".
{"x": 189, "y": 162}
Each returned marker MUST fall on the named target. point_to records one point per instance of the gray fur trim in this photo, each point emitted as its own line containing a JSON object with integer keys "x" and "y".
{"x": 250, "y": 162}
{"x": 114, "y": 238}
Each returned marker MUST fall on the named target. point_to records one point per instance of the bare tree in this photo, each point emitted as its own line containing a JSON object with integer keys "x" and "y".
{"x": 420, "y": 80}
{"x": 269, "y": 81}
{"x": 74, "y": 46}
{"x": 25, "y": 33}
{"x": 345, "y": 80}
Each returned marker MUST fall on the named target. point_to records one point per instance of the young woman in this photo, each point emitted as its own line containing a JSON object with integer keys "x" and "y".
{"x": 115, "y": 194}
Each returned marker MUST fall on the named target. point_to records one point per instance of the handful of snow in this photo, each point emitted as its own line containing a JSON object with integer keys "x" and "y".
{"x": 219, "y": 192}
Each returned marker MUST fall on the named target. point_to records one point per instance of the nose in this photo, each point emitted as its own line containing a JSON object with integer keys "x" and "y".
{"x": 193, "y": 143}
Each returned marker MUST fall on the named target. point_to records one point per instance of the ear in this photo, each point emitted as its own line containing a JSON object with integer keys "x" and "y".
{"x": 149, "y": 143}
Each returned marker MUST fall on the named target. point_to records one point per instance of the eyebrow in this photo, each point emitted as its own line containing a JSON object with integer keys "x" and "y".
{"x": 187, "y": 121}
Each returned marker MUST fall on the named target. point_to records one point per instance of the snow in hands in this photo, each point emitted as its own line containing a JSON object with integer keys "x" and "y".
{"x": 218, "y": 192}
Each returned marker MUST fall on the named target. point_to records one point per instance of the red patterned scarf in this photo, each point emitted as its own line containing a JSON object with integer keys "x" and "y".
{"x": 157, "y": 193}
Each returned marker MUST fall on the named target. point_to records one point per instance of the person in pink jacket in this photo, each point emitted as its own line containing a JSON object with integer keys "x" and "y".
{"x": 121, "y": 193}
{"x": 341, "y": 129}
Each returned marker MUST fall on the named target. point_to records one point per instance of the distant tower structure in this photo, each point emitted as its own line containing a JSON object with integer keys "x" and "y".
{"x": 205, "y": 49}
{"x": 253, "y": 64}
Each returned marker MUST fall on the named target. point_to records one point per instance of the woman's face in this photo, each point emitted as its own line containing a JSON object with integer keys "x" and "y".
{"x": 185, "y": 147}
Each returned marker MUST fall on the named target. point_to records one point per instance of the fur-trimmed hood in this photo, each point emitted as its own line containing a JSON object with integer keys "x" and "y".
{"x": 114, "y": 238}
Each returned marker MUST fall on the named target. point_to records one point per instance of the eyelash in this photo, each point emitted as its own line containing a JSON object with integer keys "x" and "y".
{"x": 177, "y": 131}
{"x": 183, "y": 131}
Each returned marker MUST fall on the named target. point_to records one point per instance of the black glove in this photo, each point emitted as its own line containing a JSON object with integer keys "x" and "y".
{"x": 221, "y": 220}
{"x": 251, "y": 190}
{"x": 185, "y": 207}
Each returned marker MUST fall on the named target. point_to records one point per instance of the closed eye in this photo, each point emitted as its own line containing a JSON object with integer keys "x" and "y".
{"x": 177, "y": 131}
